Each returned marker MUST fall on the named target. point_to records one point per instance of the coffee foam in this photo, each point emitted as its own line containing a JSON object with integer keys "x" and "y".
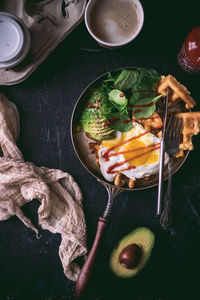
{"x": 114, "y": 21}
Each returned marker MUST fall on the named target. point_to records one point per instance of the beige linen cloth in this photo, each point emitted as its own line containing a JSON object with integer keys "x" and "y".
{"x": 61, "y": 199}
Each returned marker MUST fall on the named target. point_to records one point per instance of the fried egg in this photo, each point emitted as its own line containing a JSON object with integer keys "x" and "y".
{"x": 134, "y": 153}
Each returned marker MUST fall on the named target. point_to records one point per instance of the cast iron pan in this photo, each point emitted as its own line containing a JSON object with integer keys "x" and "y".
{"x": 80, "y": 143}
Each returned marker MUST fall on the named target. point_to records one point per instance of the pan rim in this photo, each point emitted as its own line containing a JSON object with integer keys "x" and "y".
{"x": 103, "y": 181}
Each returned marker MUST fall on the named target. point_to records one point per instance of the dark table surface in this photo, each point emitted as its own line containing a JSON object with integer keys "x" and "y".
{"x": 31, "y": 268}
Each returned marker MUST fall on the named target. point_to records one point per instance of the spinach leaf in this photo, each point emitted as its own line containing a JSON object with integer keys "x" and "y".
{"x": 144, "y": 87}
{"x": 118, "y": 100}
{"x": 145, "y": 112}
{"x": 120, "y": 122}
{"x": 148, "y": 76}
{"x": 142, "y": 111}
{"x": 144, "y": 93}
{"x": 126, "y": 79}
{"x": 145, "y": 100}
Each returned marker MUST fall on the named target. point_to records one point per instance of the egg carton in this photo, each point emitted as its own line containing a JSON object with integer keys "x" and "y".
{"x": 49, "y": 22}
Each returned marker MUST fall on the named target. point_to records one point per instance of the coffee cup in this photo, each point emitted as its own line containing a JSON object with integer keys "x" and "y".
{"x": 15, "y": 40}
{"x": 114, "y": 23}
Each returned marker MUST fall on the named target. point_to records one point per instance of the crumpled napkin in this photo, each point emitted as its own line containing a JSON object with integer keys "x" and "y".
{"x": 60, "y": 197}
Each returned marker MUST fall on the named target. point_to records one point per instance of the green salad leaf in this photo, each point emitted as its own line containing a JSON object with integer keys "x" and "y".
{"x": 126, "y": 79}
{"x": 145, "y": 85}
{"x": 145, "y": 101}
{"x": 122, "y": 122}
{"x": 145, "y": 113}
{"x": 118, "y": 100}
{"x": 143, "y": 93}
{"x": 145, "y": 107}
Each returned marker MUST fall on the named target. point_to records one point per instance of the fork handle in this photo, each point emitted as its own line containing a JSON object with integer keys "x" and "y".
{"x": 166, "y": 217}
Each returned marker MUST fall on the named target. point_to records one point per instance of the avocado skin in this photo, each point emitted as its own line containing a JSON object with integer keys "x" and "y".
{"x": 142, "y": 236}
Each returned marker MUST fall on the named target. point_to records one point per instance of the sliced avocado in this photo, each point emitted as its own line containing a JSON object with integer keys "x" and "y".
{"x": 132, "y": 252}
{"x": 93, "y": 120}
{"x": 98, "y": 130}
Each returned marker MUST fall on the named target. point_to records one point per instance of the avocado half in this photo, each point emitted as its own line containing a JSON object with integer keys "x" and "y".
{"x": 142, "y": 237}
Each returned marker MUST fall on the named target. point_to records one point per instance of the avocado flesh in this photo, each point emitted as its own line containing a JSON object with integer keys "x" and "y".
{"x": 98, "y": 130}
{"x": 142, "y": 236}
{"x": 93, "y": 119}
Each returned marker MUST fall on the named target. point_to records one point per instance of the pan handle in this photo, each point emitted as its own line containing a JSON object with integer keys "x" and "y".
{"x": 86, "y": 271}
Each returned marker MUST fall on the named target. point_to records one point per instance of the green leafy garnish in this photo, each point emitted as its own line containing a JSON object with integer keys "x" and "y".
{"x": 123, "y": 124}
{"x": 126, "y": 79}
{"x": 143, "y": 93}
{"x": 118, "y": 100}
{"x": 145, "y": 108}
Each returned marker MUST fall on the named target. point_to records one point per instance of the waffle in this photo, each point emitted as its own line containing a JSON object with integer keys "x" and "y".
{"x": 152, "y": 123}
{"x": 177, "y": 91}
{"x": 190, "y": 127}
{"x": 121, "y": 180}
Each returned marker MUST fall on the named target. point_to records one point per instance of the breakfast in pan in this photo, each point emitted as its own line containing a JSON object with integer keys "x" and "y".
{"x": 122, "y": 120}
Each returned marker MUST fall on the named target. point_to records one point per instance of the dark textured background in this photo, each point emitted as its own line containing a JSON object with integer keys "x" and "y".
{"x": 30, "y": 269}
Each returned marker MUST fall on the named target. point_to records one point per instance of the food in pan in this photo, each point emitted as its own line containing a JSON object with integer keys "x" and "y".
{"x": 177, "y": 91}
{"x": 134, "y": 153}
{"x": 190, "y": 127}
{"x": 122, "y": 117}
{"x": 132, "y": 252}
{"x": 93, "y": 118}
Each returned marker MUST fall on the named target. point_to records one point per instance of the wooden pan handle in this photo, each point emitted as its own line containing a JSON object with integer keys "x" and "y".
{"x": 86, "y": 271}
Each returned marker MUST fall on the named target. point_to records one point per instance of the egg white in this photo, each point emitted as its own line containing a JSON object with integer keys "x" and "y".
{"x": 139, "y": 171}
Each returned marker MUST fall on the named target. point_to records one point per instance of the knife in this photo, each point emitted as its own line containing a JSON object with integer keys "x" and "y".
{"x": 161, "y": 161}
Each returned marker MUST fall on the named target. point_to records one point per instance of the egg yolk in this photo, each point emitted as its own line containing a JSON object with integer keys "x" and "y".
{"x": 115, "y": 142}
{"x": 140, "y": 152}
{"x": 136, "y": 152}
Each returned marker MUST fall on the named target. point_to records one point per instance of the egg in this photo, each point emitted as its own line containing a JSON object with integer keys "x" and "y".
{"x": 134, "y": 153}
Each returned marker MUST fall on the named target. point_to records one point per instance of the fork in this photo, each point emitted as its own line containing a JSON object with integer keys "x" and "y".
{"x": 171, "y": 141}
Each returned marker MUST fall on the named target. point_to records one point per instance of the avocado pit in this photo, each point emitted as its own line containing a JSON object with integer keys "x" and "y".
{"x": 130, "y": 256}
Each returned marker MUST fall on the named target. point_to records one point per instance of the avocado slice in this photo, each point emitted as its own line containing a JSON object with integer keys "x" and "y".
{"x": 142, "y": 238}
{"x": 93, "y": 120}
{"x": 97, "y": 129}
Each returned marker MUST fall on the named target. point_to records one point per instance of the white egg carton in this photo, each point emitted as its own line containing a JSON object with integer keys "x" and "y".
{"x": 49, "y": 22}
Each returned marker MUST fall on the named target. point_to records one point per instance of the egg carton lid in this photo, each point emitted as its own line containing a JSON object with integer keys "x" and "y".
{"x": 48, "y": 22}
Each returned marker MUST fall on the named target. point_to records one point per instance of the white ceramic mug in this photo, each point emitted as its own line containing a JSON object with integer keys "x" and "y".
{"x": 114, "y": 23}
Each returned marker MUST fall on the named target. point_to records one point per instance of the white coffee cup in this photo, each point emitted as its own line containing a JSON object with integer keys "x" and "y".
{"x": 15, "y": 40}
{"x": 114, "y": 23}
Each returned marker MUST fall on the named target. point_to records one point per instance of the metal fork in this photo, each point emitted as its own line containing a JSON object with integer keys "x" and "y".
{"x": 172, "y": 138}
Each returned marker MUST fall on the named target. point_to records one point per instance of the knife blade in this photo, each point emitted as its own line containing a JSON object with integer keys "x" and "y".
{"x": 161, "y": 160}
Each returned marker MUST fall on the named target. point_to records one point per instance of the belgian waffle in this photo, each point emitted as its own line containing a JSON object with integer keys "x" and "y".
{"x": 177, "y": 91}
{"x": 190, "y": 127}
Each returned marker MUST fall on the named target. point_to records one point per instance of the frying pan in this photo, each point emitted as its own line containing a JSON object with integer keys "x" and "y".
{"x": 80, "y": 143}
